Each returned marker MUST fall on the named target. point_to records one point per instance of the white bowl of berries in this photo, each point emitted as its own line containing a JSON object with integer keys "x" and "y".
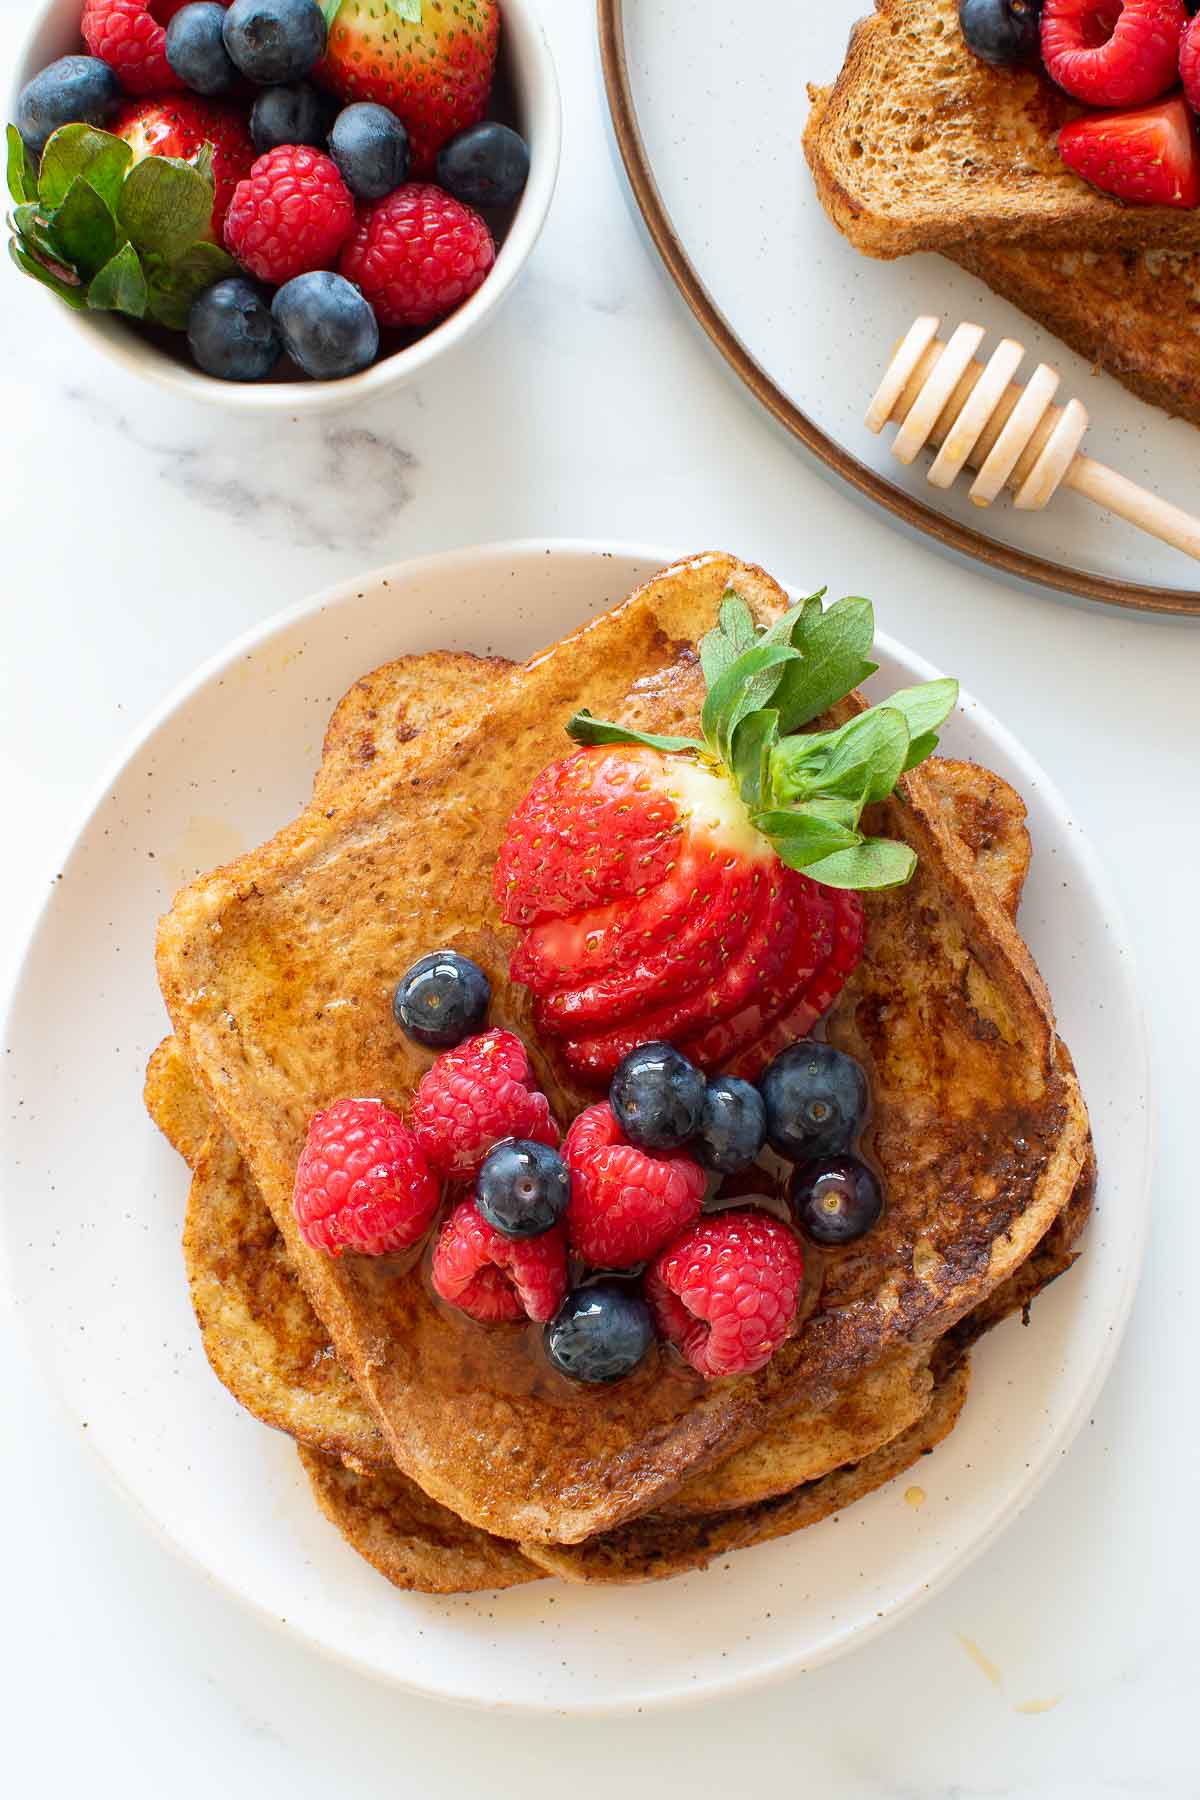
{"x": 280, "y": 204}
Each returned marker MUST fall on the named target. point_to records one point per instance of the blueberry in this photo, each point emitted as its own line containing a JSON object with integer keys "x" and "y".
{"x": 294, "y": 113}
{"x": 231, "y": 332}
{"x": 732, "y": 1126}
{"x": 275, "y": 40}
{"x": 326, "y": 325}
{"x": 600, "y": 1333}
{"x": 370, "y": 147}
{"x": 1001, "y": 31}
{"x": 523, "y": 1188}
{"x": 658, "y": 1097}
{"x": 486, "y": 165}
{"x": 835, "y": 1199}
{"x": 196, "y": 48}
{"x": 442, "y": 1000}
{"x": 73, "y": 90}
{"x": 816, "y": 1100}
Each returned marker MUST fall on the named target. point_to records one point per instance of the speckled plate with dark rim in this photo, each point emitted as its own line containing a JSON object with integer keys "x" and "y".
{"x": 95, "y": 1270}
{"x": 665, "y": 89}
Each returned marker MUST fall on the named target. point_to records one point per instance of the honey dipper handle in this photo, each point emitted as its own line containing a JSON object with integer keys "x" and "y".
{"x": 1125, "y": 497}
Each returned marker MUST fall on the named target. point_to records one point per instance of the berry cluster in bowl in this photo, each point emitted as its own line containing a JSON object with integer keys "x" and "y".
{"x": 1139, "y": 60}
{"x": 617, "y": 1234}
{"x": 296, "y": 186}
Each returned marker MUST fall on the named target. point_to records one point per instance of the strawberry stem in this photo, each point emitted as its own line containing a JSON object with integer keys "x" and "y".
{"x": 804, "y": 790}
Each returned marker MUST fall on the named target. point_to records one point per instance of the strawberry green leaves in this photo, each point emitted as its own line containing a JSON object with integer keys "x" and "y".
{"x": 746, "y": 686}
{"x": 107, "y": 234}
{"x": 587, "y": 730}
{"x": 805, "y": 790}
{"x": 21, "y": 174}
{"x": 81, "y": 151}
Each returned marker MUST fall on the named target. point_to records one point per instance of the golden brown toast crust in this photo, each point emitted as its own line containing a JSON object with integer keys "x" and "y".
{"x": 654, "y": 1548}
{"x": 261, "y": 1336}
{"x": 278, "y": 972}
{"x": 919, "y": 146}
{"x": 175, "y": 1102}
{"x": 417, "y": 1544}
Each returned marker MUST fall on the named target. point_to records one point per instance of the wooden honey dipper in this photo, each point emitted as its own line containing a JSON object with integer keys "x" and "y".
{"x": 977, "y": 417}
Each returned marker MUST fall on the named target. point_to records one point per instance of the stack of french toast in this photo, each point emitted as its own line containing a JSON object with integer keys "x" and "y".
{"x": 919, "y": 144}
{"x": 445, "y": 1451}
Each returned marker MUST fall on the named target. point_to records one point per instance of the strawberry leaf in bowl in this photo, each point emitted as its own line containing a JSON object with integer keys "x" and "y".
{"x": 106, "y": 233}
{"x": 21, "y": 174}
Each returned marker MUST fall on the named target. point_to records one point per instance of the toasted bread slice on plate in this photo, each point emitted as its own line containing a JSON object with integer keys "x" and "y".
{"x": 278, "y": 973}
{"x": 261, "y": 1336}
{"x": 1134, "y": 313}
{"x": 919, "y": 145}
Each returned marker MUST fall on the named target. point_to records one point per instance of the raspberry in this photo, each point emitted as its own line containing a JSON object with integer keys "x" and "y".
{"x": 125, "y": 35}
{"x": 1113, "y": 52}
{"x": 726, "y": 1292}
{"x": 292, "y": 213}
{"x": 626, "y": 1203}
{"x": 417, "y": 254}
{"x": 362, "y": 1182}
{"x": 1189, "y": 63}
{"x": 475, "y": 1095}
{"x": 498, "y": 1278}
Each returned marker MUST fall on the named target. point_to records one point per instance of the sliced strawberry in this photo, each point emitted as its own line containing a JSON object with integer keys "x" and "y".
{"x": 562, "y": 952}
{"x": 1113, "y": 52}
{"x": 1148, "y": 157}
{"x": 717, "y": 1043}
{"x": 708, "y": 935}
{"x": 700, "y": 891}
{"x": 596, "y": 827}
{"x": 756, "y": 1047}
{"x": 750, "y": 977}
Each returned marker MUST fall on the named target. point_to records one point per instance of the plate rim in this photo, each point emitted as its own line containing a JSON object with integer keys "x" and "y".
{"x": 955, "y": 538}
{"x": 1003, "y": 1514}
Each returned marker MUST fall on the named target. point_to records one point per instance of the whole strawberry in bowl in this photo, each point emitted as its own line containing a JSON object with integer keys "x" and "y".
{"x": 269, "y": 240}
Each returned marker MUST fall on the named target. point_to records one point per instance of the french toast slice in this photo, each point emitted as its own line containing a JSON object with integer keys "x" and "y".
{"x": 260, "y": 1335}
{"x": 236, "y": 1259}
{"x": 243, "y": 1286}
{"x": 279, "y": 1011}
{"x": 918, "y": 145}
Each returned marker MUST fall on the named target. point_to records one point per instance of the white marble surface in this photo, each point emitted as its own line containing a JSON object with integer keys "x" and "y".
{"x": 139, "y": 537}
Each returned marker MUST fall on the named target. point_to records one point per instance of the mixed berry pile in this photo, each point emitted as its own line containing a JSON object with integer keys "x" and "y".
{"x": 617, "y": 1234}
{"x": 1137, "y": 59}
{"x": 277, "y": 178}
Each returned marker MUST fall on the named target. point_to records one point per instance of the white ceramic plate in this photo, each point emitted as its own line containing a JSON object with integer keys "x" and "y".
{"x": 92, "y": 1213}
{"x": 721, "y": 108}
